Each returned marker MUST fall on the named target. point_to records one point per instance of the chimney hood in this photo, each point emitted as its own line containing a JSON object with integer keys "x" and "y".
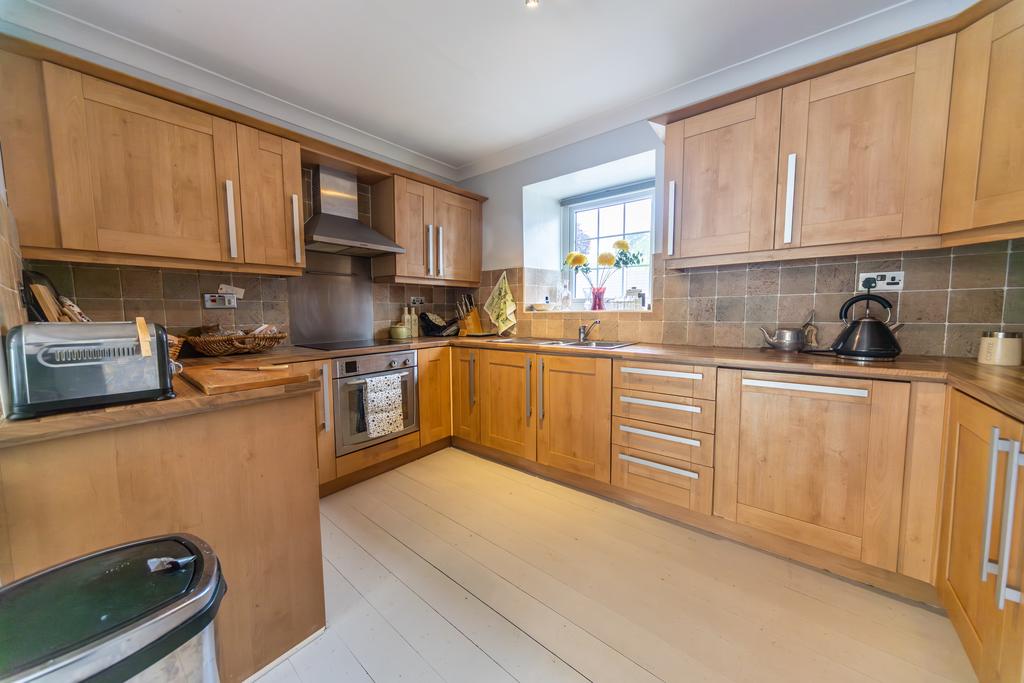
{"x": 334, "y": 227}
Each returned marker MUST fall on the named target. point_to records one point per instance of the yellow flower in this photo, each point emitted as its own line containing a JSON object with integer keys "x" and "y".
{"x": 576, "y": 259}
{"x": 606, "y": 258}
{"x": 621, "y": 245}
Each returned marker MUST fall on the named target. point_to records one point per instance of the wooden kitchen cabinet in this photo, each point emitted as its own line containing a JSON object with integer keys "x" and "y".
{"x": 466, "y": 394}
{"x": 136, "y": 174}
{"x": 818, "y": 460}
{"x": 720, "y": 173}
{"x": 270, "y": 177}
{"x": 977, "y": 469}
{"x": 867, "y": 145}
{"x": 441, "y": 232}
{"x": 434, "y": 367}
{"x": 324, "y": 419}
{"x": 984, "y": 175}
{"x": 508, "y": 397}
{"x": 574, "y": 414}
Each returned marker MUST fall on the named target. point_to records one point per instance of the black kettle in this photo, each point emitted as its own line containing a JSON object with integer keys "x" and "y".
{"x": 867, "y": 338}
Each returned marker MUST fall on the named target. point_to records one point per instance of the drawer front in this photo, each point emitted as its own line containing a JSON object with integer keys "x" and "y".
{"x": 695, "y": 381}
{"x": 682, "y": 446}
{"x": 688, "y": 486}
{"x": 676, "y": 411}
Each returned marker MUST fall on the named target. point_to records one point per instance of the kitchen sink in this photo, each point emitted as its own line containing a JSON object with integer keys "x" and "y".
{"x": 598, "y": 344}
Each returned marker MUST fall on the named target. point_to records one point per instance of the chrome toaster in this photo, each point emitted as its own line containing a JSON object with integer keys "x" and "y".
{"x": 56, "y": 367}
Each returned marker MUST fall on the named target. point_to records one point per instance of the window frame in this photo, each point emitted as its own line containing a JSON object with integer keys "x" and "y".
{"x": 599, "y": 199}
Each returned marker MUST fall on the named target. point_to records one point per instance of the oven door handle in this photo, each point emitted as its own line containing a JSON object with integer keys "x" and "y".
{"x": 363, "y": 381}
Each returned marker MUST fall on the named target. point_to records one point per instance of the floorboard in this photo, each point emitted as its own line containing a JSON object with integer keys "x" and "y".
{"x": 454, "y": 568}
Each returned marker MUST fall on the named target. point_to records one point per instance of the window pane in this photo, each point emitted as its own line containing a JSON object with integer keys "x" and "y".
{"x": 638, "y": 215}
{"x": 582, "y": 287}
{"x": 605, "y": 243}
{"x": 586, "y": 224}
{"x": 611, "y": 220}
{"x": 613, "y": 288}
{"x": 642, "y": 244}
{"x": 638, "y": 276}
{"x": 588, "y": 247}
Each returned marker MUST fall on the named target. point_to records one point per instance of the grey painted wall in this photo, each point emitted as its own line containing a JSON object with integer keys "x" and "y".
{"x": 503, "y": 212}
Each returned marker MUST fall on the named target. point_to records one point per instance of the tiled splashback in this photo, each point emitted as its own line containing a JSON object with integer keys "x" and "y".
{"x": 168, "y": 297}
{"x": 950, "y": 297}
{"x": 389, "y": 300}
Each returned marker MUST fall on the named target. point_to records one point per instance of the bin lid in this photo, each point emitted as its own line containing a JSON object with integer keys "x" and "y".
{"x": 101, "y": 609}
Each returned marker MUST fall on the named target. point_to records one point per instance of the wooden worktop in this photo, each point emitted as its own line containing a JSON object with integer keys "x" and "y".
{"x": 1000, "y": 387}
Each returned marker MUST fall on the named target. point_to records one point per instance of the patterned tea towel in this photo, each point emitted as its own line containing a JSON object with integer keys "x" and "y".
{"x": 382, "y": 402}
{"x": 501, "y": 306}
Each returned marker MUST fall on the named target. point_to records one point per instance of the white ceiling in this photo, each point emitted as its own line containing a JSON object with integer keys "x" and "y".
{"x": 456, "y": 87}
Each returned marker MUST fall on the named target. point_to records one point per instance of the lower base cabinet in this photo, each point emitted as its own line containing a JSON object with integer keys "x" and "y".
{"x": 683, "y": 484}
{"x": 435, "y": 393}
{"x": 982, "y": 543}
{"x": 554, "y": 410}
{"x": 466, "y": 393}
{"x": 818, "y": 460}
{"x": 323, "y": 408}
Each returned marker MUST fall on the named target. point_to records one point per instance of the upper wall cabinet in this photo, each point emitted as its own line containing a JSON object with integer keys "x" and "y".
{"x": 862, "y": 150}
{"x": 135, "y": 174}
{"x": 270, "y": 170}
{"x": 720, "y": 170}
{"x": 440, "y": 231}
{"x": 984, "y": 181}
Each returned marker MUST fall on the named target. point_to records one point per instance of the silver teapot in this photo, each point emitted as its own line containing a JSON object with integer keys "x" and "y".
{"x": 792, "y": 338}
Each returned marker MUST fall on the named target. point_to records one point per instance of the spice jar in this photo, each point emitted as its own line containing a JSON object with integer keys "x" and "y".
{"x": 1000, "y": 348}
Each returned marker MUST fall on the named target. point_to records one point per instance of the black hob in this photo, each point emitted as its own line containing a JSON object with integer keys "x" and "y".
{"x": 353, "y": 344}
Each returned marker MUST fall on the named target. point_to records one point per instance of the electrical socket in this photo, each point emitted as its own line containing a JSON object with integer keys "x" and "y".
{"x": 888, "y": 281}
{"x": 416, "y": 301}
{"x": 220, "y": 301}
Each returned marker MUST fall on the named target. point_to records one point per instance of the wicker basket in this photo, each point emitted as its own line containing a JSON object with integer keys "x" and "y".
{"x": 226, "y": 345}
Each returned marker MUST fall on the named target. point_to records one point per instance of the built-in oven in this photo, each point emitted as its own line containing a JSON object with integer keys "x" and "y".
{"x": 349, "y": 379}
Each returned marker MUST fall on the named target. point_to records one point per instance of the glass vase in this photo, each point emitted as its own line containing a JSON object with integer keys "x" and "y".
{"x": 597, "y": 299}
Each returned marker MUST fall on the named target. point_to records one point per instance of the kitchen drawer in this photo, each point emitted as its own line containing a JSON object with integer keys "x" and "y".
{"x": 679, "y": 445}
{"x": 688, "y": 486}
{"x": 695, "y": 381}
{"x": 677, "y": 411}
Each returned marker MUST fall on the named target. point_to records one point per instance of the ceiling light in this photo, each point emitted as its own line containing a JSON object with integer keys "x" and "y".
{"x": 532, "y": 3}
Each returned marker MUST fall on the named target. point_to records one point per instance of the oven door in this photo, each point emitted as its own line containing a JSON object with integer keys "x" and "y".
{"x": 350, "y": 416}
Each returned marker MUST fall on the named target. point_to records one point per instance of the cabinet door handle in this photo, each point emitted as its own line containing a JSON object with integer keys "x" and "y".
{"x": 440, "y": 250}
{"x": 540, "y": 390}
{"x": 296, "y": 228}
{"x": 325, "y": 386}
{"x": 658, "y": 466}
{"x": 529, "y": 400}
{"x": 660, "y": 404}
{"x": 990, "y": 500}
{"x": 229, "y": 188}
{"x": 472, "y": 379}
{"x": 430, "y": 249}
{"x": 671, "y": 246}
{"x": 659, "y": 435}
{"x": 810, "y": 388}
{"x": 662, "y": 373}
{"x": 787, "y": 230}
{"x": 1013, "y": 466}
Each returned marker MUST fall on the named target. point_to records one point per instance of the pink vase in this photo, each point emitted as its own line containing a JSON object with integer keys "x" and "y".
{"x": 597, "y": 299}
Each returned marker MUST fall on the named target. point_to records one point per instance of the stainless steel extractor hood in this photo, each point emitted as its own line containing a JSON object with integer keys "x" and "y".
{"x": 334, "y": 227}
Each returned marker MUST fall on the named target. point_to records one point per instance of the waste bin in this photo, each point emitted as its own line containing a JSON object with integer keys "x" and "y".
{"x": 141, "y": 611}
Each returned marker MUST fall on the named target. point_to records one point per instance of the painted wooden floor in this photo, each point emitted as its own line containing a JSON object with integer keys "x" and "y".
{"x": 453, "y": 568}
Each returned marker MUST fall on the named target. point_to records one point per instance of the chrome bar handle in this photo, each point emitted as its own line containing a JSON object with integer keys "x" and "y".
{"x": 296, "y": 228}
{"x": 990, "y": 500}
{"x": 660, "y": 435}
{"x": 363, "y": 381}
{"x": 529, "y": 401}
{"x": 1013, "y": 465}
{"x": 430, "y": 249}
{"x": 472, "y": 379}
{"x": 325, "y": 386}
{"x": 440, "y": 250}
{"x": 787, "y": 231}
{"x": 689, "y": 474}
{"x": 229, "y": 188}
{"x": 540, "y": 390}
{"x": 671, "y": 246}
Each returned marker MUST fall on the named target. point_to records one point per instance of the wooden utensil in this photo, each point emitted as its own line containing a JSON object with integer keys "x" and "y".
{"x": 47, "y": 302}
{"x": 220, "y": 380}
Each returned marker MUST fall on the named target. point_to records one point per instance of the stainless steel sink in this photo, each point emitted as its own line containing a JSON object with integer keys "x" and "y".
{"x": 598, "y": 344}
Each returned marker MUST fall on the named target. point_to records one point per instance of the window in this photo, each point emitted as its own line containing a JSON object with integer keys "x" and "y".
{"x": 592, "y": 223}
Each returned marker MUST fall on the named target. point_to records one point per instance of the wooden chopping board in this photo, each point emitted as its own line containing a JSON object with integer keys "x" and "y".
{"x": 210, "y": 380}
